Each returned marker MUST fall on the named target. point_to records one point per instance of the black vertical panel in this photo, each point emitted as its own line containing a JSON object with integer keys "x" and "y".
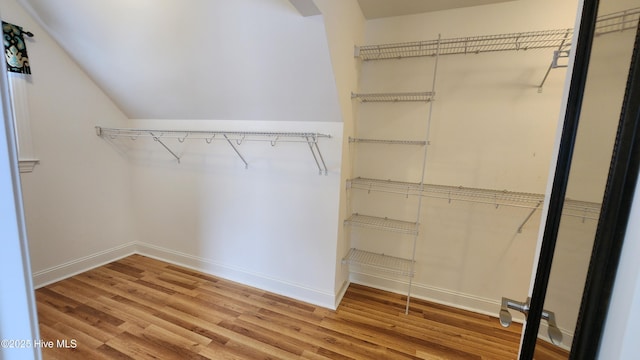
{"x": 561, "y": 176}
{"x": 616, "y": 207}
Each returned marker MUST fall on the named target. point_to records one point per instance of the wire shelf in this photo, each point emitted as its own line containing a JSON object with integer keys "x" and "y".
{"x": 581, "y": 209}
{"x": 392, "y": 142}
{"x": 210, "y": 135}
{"x": 392, "y": 264}
{"x": 374, "y": 222}
{"x": 545, "y": 39}
{"x": 467, "y": 45}
{"x": 618, "y": 21}
{"x": 389, "y": 186}
{"x": 395, "y": 97}
{"x": 576, "y": 208}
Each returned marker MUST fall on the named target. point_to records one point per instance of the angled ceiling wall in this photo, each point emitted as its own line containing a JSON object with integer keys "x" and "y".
{"x": 199, "y": 59}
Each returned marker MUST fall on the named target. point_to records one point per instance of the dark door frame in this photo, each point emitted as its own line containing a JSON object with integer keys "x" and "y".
{"x": 616, "y": 205}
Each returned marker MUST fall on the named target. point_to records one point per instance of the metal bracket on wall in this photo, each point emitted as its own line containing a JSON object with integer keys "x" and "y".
{"x": 526, "y": 220}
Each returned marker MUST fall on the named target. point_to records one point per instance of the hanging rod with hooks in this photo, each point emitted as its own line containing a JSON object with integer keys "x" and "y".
{"x": 573, "y": 208}
{"x": 233, "y": 138}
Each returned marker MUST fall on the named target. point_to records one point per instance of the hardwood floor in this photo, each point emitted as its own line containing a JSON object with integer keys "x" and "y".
{"x": 141, "y": 308}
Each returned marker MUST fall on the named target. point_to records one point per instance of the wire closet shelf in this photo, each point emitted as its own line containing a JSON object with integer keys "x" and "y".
{"x": 233, "y": 138}
{"x": 520, "y": 41}
{"x": 381, "y": 262}
{"x": 374, "y": 222}
{"x": 388, "y": 141}
{"x": 424, "y": 96}
{"x": 466, "y": 45}
{"x": 574, "y": 208}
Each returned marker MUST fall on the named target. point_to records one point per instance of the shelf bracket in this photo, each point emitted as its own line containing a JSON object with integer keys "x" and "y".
{"x": 557, "y": 54}
{"x": 526, "y": 220}
{"x": 157, "y": 138}
{"x": 313, "y": 146}
{"x": 560, "y": 53}
{"x": 246, "y": 165}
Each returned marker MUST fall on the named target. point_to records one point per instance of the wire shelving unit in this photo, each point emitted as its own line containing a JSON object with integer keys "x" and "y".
{"x": 558, "y": 40}
{"x": 364, "y": 259}
{"x": 519, "y": 41}
{"x": 381, "y": 262}
{"x": 424, "y": 96}
{"x": 546, "y": 39}
{"x": 233, "y": 138}
{"x": 390, "y": 142}
{"x": 575, "y": 208}
{"x": 618, "y": 21}
{"x": 373, "y": 222}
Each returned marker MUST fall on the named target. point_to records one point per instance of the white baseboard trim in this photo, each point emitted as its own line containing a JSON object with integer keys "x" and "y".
{"x": 296, "y": 291}
{"x": 442, "y": 296}
{"x": 70, "y": 268}
{"x": 340, "y": 294}
{"x": 455, "y": 299}
{"x": 243, "y": 276}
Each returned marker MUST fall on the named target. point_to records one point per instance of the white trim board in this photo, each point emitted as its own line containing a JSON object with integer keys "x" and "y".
{"x": 296, "y": 291}
{"x": 260, "y": 281}
{"x": 74, "y": 267}
{"x": 437, "y": 295}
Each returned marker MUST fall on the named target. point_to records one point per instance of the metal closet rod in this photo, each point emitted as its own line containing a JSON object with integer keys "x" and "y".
{"x": 212, "y": 134}
{"x": 231, "y": 137}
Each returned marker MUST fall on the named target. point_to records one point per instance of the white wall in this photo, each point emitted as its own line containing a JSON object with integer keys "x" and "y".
{"x": 272, "y": 225}
{"x": 77, "y": 200}
{"x": 490, "y": 129}
{"x": 344, "y": 24}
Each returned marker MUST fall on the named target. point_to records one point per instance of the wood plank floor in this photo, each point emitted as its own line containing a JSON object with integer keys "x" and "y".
{"x": 141, "y": 308}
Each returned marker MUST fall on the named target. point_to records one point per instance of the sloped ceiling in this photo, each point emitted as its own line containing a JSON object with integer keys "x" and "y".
{"x": 209, "y": 59}
{"x": 198, "y": 59}
{"x": 374, "y": 9}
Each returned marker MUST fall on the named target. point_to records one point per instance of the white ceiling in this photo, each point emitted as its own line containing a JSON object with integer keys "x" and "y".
{"x": 210, "y": 59}
{"x": 198, "y": 59}
{"x": 373, "y": 9}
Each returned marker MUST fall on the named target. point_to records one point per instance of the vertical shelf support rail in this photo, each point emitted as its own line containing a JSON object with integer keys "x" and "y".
{"x": 424, "y": 166}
